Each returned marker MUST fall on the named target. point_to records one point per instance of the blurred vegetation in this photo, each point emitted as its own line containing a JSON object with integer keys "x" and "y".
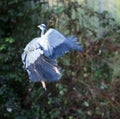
{"x": 90, "y": 86}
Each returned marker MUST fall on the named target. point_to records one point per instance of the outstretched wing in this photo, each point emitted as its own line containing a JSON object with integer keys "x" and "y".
{"x": 37, "y": 65}
{"x": 59, "y": 44}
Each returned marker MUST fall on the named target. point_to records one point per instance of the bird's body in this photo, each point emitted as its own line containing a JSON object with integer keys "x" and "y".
{"x": 40, "y": 54}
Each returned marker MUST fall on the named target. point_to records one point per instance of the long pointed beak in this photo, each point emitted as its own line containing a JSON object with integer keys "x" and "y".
{"x": 38, "y": 26}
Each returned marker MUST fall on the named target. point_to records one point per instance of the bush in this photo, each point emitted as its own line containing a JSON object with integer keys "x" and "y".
{"x": 87, "y": 89}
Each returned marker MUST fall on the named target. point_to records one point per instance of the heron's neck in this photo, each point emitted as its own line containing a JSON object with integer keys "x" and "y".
{"x": 42, "y": 32}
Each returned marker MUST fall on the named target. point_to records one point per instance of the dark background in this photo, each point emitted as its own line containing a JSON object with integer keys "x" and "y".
{"x": 90, "y": 85}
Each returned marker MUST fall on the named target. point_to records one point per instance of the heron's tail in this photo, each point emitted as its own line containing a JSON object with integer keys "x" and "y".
{"x": 44, "y": 69}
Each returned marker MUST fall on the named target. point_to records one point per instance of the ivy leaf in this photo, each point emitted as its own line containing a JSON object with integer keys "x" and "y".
{"x": 2, "y": 47}
{"x": 59, "y": 10}
{"x": 10, "y": 40}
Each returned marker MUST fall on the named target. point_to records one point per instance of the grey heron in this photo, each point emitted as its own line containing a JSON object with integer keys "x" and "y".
{"x": 40, "y": 54}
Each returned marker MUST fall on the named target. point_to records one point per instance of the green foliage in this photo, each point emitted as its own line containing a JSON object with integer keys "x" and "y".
{"x": 88, "y": 88}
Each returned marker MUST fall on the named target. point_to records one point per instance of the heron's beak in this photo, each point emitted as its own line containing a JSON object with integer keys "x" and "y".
{"x": 38, "y": 26}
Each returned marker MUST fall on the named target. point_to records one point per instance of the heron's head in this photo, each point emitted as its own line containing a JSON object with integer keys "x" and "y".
{"x": 42, "y": 27}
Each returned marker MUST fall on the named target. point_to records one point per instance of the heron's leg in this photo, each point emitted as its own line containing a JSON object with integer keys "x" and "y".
{"x": 44, "y": 85}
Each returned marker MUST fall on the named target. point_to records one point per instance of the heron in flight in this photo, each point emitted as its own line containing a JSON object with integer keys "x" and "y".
{"x": 40, "y": 54}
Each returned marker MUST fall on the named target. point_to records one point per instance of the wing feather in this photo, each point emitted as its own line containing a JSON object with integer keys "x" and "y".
{"x": 54, "y": 38}
{"x": 43, "y": 69}
{"x": 58, "y": 44}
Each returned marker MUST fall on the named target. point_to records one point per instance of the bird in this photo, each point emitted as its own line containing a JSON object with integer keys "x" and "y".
{"x": 40, "y": 54}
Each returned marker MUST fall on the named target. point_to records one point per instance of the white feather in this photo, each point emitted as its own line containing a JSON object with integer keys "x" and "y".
{"x": 53, "y": 37}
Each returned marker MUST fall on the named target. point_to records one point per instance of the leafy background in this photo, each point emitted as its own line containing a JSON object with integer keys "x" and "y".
{"x": 90, "y": 85}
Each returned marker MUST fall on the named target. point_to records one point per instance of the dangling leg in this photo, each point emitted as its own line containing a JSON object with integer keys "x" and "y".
{"x": 44, "y": 85}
